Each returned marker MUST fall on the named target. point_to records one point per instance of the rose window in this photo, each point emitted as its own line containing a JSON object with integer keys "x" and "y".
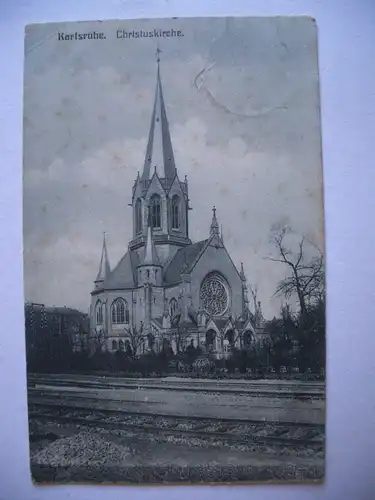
{"x": 214, "y": 295}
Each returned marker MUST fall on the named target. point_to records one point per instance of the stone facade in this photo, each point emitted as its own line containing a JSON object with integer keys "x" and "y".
{"x": 166, "y": 290}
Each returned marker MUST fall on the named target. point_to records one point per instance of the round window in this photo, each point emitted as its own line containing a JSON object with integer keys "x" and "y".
{"x": 214, "y": 295}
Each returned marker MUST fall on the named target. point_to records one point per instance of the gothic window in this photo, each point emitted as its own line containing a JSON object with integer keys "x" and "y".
{"x": 99, "y": 313}
{"x": 114, "y": 345}
{"x": 155, "y": 206}
{"x": 120, "y": 312}
{"x": 172, "y": 307}
{"x": 214, "y": 294}
{"x": 138, "y": 216}
{"x": 175, "y": 212}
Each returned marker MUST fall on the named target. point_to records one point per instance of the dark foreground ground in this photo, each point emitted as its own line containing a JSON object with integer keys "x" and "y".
{"x": 71, "y": 453}
{"x": 173, "y": 431}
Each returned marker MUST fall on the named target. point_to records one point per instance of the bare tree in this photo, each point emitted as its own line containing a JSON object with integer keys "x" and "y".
{"x": 178, "y": 335}
{"x": 258, "y": 316}
{"x": 306, "y": 275}
{"x": 98, "y": 339}
{"x": 136, "y": 337}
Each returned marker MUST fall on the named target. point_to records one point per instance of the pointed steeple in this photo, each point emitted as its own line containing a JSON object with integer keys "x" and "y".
{"x": 245, "y": 298}
{"x": 104, "y": 267}
{"x": 159, "y": 152}
{"x": 242, "y": 273}
{"x": 150, "y": 255}
{"x": 214, "y": 229}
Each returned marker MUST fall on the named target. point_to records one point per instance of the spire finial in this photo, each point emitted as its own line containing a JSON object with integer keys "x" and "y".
{"x": 158, "y": 52}
{"x": 214, "y": 229}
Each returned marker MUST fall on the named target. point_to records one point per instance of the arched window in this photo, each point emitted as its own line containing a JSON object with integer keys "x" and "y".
{"x": 155, "y": 211}
{"x": 120, "y": 312}
{"x": 138, "y": 216}
{"x": 99, "y": 313}
{"x": 172, "y": 307}
{"x": 121, "y": 345}
{"x": 175, "y": 212}
{"x": 114, "y": 345}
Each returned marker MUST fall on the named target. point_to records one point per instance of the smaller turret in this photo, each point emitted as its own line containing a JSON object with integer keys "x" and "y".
{"x": 149, "y": 270}
{"x": 215, "y": 238}
{"x": 214, "y": 229}
{"x": 245, "y": 297}
{"x": 104, "y": 267}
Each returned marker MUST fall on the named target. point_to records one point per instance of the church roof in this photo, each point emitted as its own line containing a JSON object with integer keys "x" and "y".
{"x": 122, "y": 276}
{"x": 182, "y": 262}
{"x": 221, "y": 323}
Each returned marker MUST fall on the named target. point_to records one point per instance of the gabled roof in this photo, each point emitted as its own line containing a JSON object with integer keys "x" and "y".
{"x": 122, "y": 276}
{"x": 158, "y": 322}
{"x": 182, "y": 262}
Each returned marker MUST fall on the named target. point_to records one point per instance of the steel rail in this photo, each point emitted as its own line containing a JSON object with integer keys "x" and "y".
{"x": 58, "y": 405}
{"x": 190, "y": 433}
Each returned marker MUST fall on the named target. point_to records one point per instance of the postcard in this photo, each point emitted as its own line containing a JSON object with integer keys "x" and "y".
{"x": 174, "y": 251}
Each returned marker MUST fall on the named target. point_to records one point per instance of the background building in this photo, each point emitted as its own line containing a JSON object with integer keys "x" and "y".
{"x": 53, "y": 334}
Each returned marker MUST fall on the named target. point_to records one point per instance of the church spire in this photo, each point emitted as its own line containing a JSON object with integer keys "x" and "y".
{"x": 104, "y": 268}
{"x": 214, "y": 229}
{"x": 159, "y": 152}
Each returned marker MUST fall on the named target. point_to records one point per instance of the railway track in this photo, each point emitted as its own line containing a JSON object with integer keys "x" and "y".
{"x": 240, "y": 432}
{"x": 292, "y": 392}
{"x": 95, "y": 402}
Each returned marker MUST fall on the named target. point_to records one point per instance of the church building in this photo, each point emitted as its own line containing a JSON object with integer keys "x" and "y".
{"x": 167, "y": 290}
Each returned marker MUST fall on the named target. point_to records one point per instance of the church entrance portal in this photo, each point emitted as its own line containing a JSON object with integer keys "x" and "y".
{"x": 210, "y": 340}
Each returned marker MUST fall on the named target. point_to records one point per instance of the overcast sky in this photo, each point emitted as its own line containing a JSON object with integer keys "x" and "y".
{"x": 242, "y": 100}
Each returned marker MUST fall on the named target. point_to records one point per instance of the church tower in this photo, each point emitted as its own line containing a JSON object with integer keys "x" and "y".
{"x": 160, "y": 199}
